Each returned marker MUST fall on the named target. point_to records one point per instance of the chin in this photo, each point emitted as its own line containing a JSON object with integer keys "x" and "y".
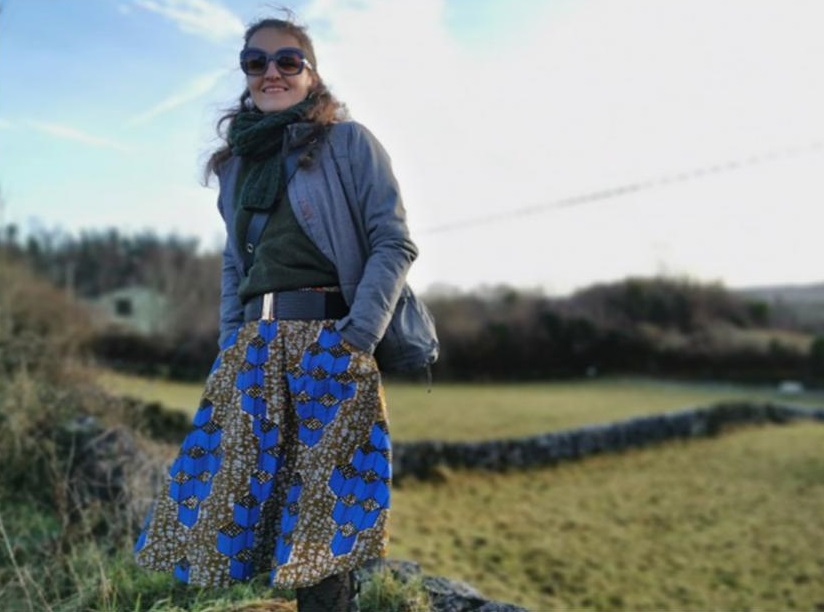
{"x": 273, "y": 106}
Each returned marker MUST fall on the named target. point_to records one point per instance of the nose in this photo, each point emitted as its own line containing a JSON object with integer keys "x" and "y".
{"x": 271, "y": 70}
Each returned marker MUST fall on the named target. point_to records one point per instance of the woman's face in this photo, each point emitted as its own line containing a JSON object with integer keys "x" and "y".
{"x": 272, "y": 91}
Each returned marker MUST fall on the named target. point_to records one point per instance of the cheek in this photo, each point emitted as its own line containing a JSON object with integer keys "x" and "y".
{"x": 306, "y": 83}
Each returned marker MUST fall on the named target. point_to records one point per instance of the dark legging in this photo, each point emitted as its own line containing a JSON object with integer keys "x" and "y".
{"x": 337, "y": 593}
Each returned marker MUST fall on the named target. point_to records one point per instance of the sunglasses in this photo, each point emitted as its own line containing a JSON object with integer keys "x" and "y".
{"x": 289, "y": 61}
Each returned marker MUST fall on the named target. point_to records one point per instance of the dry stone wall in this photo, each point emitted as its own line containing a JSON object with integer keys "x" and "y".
{"x": 422, "y": 459}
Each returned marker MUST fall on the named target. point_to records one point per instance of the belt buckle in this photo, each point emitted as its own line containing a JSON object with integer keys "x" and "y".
{"x": 268, "y": 310}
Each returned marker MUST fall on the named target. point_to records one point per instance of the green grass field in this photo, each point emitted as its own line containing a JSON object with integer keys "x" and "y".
{"x": 731, "y": 523}
{"x": 726, "y": 523}
{"x": 484, "y": 411}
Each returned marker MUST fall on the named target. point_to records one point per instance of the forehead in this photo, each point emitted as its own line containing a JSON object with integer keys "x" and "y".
{"x": 272, "y": 39}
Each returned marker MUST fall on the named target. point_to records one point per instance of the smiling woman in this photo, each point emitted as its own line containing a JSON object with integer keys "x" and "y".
{"x": 287, "y": 467}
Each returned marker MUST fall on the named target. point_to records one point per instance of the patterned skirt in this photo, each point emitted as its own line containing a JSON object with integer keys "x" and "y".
{"x": 287, "y": 466}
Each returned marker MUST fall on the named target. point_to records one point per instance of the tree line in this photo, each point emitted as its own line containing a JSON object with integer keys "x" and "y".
{"x": 672, "y": 327}
{"x": 93, "y": 263}
{"x": 651, "y": 326}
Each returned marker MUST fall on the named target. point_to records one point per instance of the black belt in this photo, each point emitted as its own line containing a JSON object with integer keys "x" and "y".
{"x": 296, "y": 305}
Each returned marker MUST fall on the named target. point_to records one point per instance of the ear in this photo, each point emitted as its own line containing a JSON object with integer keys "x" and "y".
{"x": 314, "y": 79}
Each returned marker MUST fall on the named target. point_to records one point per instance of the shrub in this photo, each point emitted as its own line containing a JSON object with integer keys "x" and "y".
{"x": 41, "y": 328}
{"x": 817, "y": 359}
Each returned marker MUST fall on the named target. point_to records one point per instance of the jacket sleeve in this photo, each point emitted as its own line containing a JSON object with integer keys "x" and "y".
{"x": 231, "y": 310}
{"x": 390, "y": 249}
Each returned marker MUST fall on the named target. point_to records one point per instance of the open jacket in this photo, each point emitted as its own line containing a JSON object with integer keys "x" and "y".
{"x": 364, "y": 235}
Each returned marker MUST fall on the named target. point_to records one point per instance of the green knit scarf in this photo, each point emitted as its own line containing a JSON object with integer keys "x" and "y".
{"x": 258, "y": 138}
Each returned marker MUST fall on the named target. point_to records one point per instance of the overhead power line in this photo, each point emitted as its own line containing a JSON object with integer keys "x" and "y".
{"x": 662, "y": 180}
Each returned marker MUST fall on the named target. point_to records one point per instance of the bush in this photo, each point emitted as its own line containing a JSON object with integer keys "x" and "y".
{"x": 817, "y": 359}
{"x": 41, "y": 328}
{"x": 162, "y": 356}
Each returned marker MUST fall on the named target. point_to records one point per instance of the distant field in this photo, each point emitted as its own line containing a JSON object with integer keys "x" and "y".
{"x": 484, "y": 411}
{"x": 177, "y": 395}
{"x": 731, "y": 523}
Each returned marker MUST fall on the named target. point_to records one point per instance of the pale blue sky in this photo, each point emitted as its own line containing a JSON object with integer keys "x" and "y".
{"x": 107, "y": 110}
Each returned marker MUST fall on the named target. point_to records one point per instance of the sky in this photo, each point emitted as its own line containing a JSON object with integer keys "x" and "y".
{"x": 542, "y": 144}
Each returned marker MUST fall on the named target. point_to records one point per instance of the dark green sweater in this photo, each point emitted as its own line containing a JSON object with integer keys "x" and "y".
{"x": 285, "y": 257}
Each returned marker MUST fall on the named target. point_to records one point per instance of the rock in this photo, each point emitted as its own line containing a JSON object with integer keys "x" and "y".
{"x": 402, "y": 570}
{"x": 106, "y": 466}
{"x": 156, "y": 420}
{"x": 96, "y": 460}
{"x": 445, "y": 595}
{"x": 452, "y": 595}
{"x": 455, "y": 596}
{"x": 497, "y": 606}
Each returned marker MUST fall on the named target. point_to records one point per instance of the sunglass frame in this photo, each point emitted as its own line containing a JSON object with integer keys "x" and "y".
{"x": 274, "y": 57}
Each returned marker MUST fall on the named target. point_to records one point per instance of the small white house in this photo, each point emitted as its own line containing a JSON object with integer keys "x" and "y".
{"x": 790, "y": 387}
{"x": 135, "y": 308}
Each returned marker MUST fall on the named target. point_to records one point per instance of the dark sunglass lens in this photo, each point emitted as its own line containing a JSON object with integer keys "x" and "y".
{"x": 289, "y": 63}
{"x": 253, "y": 62}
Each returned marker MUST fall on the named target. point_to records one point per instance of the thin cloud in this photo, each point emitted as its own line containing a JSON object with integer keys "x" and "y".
{"x": 205, "y": 18}
{"x": 69, "y": 133}
{"x": 193, "y": 90}
{"x": 5, "y": 125}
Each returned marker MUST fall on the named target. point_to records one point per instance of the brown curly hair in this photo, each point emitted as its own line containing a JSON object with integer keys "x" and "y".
{"x": 325, "y": 110}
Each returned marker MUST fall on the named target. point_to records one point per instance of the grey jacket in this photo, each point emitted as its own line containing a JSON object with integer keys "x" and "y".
{"x": 367, "y": 240}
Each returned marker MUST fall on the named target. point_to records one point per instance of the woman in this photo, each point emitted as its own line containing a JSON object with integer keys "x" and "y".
{"x": 287, "y": 468}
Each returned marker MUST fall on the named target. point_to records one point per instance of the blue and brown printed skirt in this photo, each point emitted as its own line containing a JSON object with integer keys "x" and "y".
{"x": 286, "y": 469}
